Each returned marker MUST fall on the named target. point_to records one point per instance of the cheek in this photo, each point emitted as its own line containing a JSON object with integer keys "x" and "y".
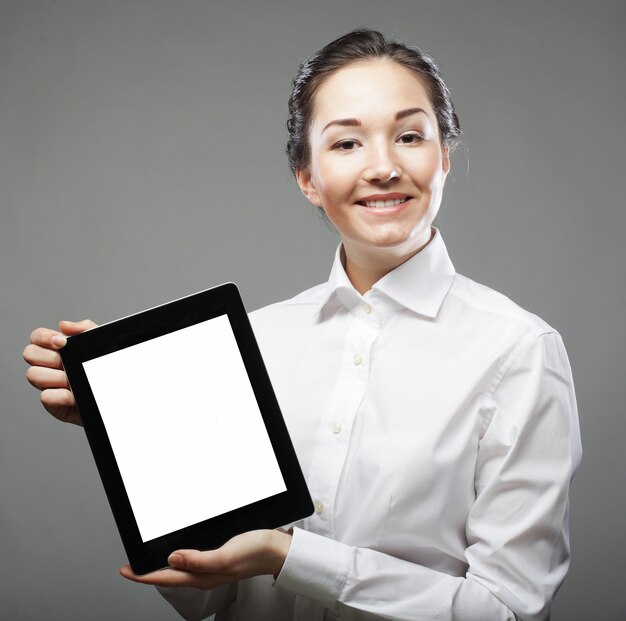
{"x": 333, "y": 180}
{"x": 436, "y": 181}
{"x": 429, "y": 172}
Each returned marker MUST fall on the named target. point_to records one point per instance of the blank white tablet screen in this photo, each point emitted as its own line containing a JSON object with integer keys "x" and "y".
{"x": 185, "y": 427}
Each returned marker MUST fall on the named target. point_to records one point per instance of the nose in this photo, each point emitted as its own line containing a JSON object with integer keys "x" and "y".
{"x": 382, "y": 166}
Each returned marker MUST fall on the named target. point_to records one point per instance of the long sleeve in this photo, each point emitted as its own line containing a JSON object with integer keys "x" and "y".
{"x": 517, "y": 533}
{"x": 436, "y": 424}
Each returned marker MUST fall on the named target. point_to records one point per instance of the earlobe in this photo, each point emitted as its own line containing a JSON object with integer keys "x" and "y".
{"x": 303, "y": 177}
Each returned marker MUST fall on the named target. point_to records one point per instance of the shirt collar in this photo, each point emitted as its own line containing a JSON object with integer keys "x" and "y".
{"x": 419, "y": 284}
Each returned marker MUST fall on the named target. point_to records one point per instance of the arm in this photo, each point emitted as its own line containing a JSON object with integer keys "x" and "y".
{"x": 47, "y": 375}
{"x": 518, "y": 549}
{"x": 197, "y": 584}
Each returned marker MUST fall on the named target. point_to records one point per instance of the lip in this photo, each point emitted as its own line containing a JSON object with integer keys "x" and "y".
{"x": 384, "y": 197}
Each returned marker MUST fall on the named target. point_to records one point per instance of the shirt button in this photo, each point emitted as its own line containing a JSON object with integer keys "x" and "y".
{"x": 335, "y": 428}
{"x": 367, "y": 308}
{"x": 319, "y": 507}
{"x": 357, "y": 359}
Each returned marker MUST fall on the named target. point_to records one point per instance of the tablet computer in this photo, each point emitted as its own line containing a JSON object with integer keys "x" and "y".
{"x": 184, "y": 426}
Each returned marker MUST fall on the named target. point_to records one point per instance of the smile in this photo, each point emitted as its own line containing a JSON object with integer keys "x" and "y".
{"x": 383, "y": 204}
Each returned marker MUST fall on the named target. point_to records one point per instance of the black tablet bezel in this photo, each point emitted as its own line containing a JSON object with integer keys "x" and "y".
{"x": 292, "y": 505}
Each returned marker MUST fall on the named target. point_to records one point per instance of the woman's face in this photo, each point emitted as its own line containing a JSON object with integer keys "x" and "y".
{"x": 377, "y": 166}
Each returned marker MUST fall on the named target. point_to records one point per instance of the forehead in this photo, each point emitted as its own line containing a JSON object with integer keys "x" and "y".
{"x": 368, "y": 88}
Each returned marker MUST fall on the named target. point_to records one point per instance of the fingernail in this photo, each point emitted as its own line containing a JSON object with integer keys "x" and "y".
{"x": 175, "y": 559}
{"x": 59, "y": 341}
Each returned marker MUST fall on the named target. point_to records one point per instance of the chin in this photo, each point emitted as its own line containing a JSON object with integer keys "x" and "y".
{"x": 404, "y": 243}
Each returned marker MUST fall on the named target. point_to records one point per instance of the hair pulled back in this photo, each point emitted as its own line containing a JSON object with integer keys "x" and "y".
{"x": 362, "y": 44}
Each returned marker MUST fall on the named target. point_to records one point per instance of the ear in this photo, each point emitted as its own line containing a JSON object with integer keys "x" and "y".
{"x": 303, "y": 177}
{"x": 445, "y": 165}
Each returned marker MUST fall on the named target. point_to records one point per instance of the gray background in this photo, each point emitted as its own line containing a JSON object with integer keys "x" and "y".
{"x": 141, "y": 159}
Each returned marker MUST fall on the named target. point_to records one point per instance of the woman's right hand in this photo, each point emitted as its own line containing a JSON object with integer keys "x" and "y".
{"x": 46, "y": 371}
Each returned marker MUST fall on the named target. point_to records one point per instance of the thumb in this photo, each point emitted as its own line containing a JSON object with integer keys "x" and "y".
{"x": 76, "y": 327}
{"x": 192, "y": 560}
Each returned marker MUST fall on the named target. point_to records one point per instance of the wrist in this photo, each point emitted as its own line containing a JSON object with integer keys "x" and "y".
{"x": 281, "y": 542}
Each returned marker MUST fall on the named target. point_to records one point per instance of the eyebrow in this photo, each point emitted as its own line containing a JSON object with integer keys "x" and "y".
{"x": 402, "y": 114}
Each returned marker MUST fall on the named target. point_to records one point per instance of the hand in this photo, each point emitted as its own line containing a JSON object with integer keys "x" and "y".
{"x": 46, "y": 372}
{"x": 250, "y": 554}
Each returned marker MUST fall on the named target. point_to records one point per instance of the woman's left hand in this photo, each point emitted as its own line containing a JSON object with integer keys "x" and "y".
{"x": 249, "y": 554}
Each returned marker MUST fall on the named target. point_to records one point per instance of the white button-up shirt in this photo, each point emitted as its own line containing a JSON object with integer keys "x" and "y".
{"x": 436, "y": 425}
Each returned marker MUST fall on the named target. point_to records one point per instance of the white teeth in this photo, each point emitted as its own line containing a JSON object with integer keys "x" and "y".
{"x": 383, "y": 204}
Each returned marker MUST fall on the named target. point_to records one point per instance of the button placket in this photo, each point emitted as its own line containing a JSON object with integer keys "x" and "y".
{"x": 332, "y": 447}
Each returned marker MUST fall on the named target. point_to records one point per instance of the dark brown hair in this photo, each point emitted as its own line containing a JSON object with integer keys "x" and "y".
{"x": 360, "y": 45}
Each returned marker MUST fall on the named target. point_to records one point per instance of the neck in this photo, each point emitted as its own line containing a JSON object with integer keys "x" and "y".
{"x": 366, "y": 266}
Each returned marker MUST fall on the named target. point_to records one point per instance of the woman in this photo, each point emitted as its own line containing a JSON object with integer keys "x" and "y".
{"x": 434, "y": 419}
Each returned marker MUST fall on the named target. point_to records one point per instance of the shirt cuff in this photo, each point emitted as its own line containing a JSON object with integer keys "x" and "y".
{"x": 316, "y": 567}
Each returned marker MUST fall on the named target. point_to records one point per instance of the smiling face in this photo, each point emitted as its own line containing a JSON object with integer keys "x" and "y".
{"x": 377, "y": 166}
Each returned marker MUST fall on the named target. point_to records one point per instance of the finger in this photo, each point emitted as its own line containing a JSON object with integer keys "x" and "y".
{"x": 69, "y": 415}
{"x": 53, "y": 339}
{"x": 163, "y": 577}
{"x": 176, "y": 578}
{"x": 45, "y": 337}
{"x": 210, "y": 561}
{"x": 54, "y": 399}
{"x": 43, "y": 377}
{"x": 76, "y": 327}
{"x": 42, "y": 357}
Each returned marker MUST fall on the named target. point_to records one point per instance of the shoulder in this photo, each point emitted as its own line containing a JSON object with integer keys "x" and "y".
{"x": 483, "y": 306}
{"x": 287, "y": 327}
{"x": 296, "y": 311}
{"x": 497, "y": 328}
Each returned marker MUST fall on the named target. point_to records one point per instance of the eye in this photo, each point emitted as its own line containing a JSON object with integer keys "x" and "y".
{"x": 410, "y": 138}
{"x": 346, "y": 145}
